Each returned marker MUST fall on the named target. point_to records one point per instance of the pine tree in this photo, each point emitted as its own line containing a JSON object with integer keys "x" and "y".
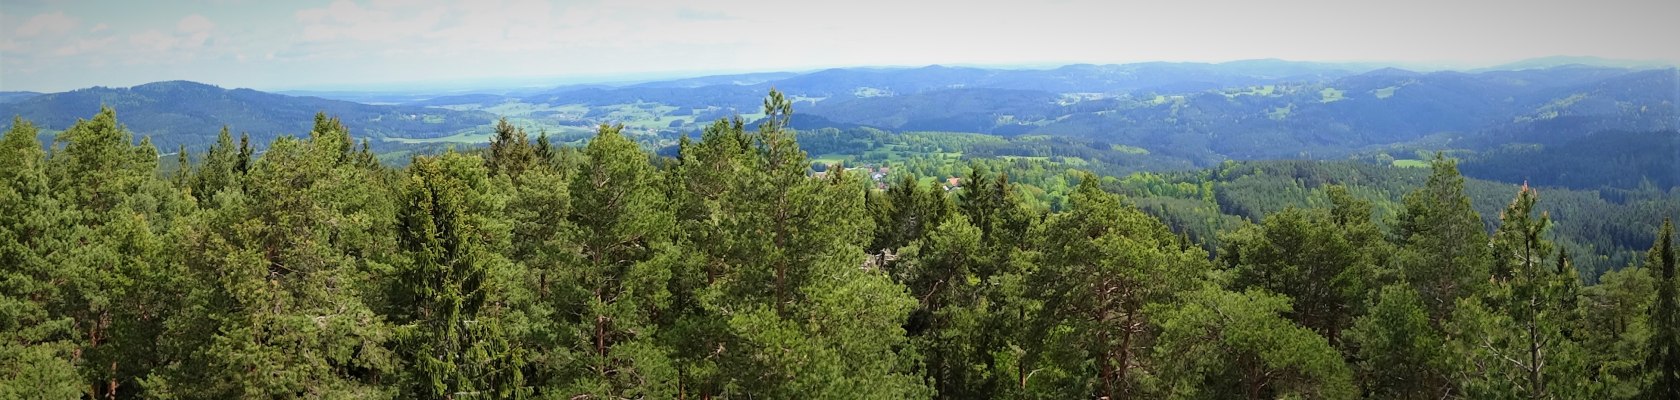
{"x": 622, "y": 234}
{"x": 290, "y": 272}
{"x": 1443, "y": 247}
{"x": 1306, "y": 256}
{"x": 1519, "y": 345}
{"x": 1615, "y": 331}
{"x": 1220, "y": 342}
{"x": 1664, "y": 361}
{"x": 783, "y": 259}
{"x": 1400, "y": 352}
{"x": 1104, "y": 263}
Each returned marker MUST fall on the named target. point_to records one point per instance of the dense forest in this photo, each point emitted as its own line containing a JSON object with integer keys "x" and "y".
{"x": 728, "y": 269}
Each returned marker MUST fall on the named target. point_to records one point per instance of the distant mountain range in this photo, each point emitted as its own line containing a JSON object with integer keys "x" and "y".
{"x": 1198, "y": 112}
{"x": 178, "y": 113}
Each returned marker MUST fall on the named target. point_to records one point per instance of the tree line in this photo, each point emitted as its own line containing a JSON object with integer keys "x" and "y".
{"x": 526, "y": 270}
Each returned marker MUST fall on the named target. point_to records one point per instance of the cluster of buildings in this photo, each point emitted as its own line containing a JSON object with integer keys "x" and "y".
{"x": 878, "y": 175}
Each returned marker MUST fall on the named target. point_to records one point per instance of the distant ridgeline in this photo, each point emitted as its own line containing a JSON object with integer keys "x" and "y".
{"x": 178, "y": 113}
{"x": 739, "y": 266}
{"x": 1588, "y": 122}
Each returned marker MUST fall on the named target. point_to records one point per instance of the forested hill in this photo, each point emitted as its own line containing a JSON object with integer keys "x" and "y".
{"x": 179, "y": 113}
{"x": 1183, "y": 113}
{"x": 730, "y": 270}
{"x": 1605, "y": 229}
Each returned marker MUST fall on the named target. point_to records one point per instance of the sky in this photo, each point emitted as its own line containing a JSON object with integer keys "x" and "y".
{"x": 50, "y": 45}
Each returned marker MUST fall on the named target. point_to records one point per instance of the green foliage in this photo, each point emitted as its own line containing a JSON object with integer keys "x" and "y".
{"x": 1103, "y": 264}
{"x": 1664, "y": 361}
{"x": 1217, "y": 344}
{"x": 1309, "y": 258}
{"x": 730, "y": 270}
{"x": 1615, "y": 331}
{"x": 1400, "y": 353}
{"x": 510, "y": 153}
{"x": 1517, "y": 341}
{"x": 449, "y": 331}
{"x": 1443, "y": 247}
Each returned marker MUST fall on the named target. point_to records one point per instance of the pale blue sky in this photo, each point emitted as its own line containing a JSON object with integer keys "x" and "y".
{"x": 60, "y": 45}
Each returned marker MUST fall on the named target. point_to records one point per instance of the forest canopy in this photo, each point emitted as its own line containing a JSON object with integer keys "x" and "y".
{"x": 731, "y": 270}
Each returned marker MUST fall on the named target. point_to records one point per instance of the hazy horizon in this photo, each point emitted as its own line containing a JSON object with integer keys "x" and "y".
{"x": 365, "y": 45}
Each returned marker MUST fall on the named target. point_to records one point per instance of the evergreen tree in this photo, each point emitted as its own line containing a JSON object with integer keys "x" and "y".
{"x": 510, "y": 152}
{"x": 1401, "y": 355}
{"x": 37, "y": 352}
{"x": 182, "y": 179}
{"x": 544, "y": 150}
{"x": 1221, "y": 342}
{"x": 450, "y": 335}
{"x": 622, "y": 233}
{"x": 1443, "y": 247}
{"x": 1664, "y": 361}
{"x": 1518, "y": 345}
{"x": 292, "y": 271}
{"x": 221, "y": 168}
{"x": 1616, "y": 330}
{"x": 1104, "y": 264}
{"x": 1306, "y": 257}
{"x": 906, "y": 212}
{"x": 791, "y": 312}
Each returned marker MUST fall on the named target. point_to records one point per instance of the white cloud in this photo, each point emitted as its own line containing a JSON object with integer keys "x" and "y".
{"x": 54, "y": 23}
{"x": 153, "y": 40}
{"x": 85, "y": 46}
{"x": 193, "y": 24}
{"x": 100, "y": 27}
{"x": 191, "y": 32}
{"x": 384, "y": 21}
{"x": 194, "y": 30}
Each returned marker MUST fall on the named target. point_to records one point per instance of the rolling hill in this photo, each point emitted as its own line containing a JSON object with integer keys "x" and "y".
{"x": 178, "y": 113}
{"x": 1178, "y": 113}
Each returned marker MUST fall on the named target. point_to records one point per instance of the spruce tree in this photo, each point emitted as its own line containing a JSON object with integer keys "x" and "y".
{"x": 510, "y": 151}
{"x": 451, "y": 338}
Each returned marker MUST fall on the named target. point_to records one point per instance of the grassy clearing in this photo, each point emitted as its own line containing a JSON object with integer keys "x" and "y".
{"x": 1264, "y": 91}
{"x": 1386, "y": 92}
{"x": 459, "y": 137}
{"x": 1129, "y": 149}
{"x": 1331, "y": 95}
{"x": 1280, "y": 113}
{"x": 832, "y": 158}
{"x": 1411, "y": 163}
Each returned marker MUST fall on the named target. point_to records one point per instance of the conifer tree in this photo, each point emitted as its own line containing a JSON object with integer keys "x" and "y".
{"x": 1518, "y": 345}
{"x": 1221, "y": 343}
{"x": 1664, "y": 362}
{"x": 510, "y": 151}
{"x": 1305, "y": 256}
{"x": 37, "y": 352}
{"x": 451, "y": 337}
{"x": 1400, "y": 353}
{"x": 1104, "y": 264}
{"x": 1443, "y": 247}
{"x": 783, "y": 258}
{"x": 290, "y": 271}
{"x": 619, "y": 282}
